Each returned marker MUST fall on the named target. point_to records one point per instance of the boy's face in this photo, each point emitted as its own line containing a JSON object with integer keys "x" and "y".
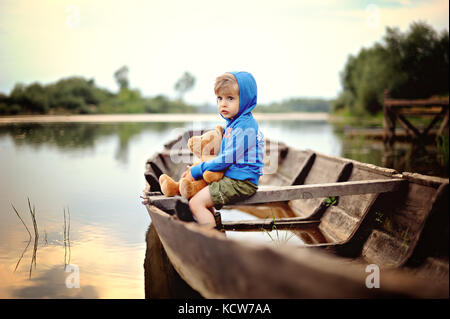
{"x": 228, "y": 102}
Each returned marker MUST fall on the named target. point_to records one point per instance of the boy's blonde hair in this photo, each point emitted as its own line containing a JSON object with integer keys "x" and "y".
{"x": 226, "y": 83}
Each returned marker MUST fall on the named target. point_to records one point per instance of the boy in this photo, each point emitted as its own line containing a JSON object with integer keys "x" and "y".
{"x": 241, "y": 153}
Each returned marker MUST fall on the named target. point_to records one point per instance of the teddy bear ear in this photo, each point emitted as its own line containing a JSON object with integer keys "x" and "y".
{"x": 219, "y": 129}
{"x": 190, "y": 144}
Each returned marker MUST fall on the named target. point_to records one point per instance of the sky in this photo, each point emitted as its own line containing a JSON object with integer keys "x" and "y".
{"x": 294, "y": 48}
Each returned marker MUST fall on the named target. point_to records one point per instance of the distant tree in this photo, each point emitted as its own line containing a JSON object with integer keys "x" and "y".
{"x": 121, "y": 76}
{"x": 414, "y": 64}
{"x": 184, "y": 84}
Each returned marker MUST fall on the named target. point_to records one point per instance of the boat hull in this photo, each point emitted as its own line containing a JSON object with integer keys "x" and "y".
{"x": 218, "y": 267}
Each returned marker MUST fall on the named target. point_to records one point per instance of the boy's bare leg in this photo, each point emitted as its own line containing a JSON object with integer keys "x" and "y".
{"x": 202, "y": 207}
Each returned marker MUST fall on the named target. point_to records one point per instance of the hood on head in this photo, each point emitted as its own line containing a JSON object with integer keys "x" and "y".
{"x": 247, "y": 92}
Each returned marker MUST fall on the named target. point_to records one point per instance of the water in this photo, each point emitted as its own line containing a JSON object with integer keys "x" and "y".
{"x": 95, "y": 171}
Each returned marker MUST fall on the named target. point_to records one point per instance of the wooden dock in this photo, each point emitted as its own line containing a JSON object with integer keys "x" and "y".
{"x": 397, "y": 110}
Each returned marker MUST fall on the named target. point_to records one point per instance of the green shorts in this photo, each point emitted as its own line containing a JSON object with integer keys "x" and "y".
{"x": 228, "y": 190}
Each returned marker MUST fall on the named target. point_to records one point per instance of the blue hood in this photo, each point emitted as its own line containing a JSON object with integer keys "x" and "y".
{"x": 247, "y": 93}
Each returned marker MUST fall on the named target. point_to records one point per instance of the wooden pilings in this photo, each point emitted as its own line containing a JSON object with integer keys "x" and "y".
{"x": 397, "y": 110}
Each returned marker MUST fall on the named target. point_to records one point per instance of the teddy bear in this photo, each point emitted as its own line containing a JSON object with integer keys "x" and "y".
{"x": 205, "y": 147}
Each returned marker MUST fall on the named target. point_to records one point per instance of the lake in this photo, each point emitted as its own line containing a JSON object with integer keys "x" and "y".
{"x": 84, "y": 179}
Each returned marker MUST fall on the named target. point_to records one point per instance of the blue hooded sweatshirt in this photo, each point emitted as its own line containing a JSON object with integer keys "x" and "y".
{"x": 242, "y": 149}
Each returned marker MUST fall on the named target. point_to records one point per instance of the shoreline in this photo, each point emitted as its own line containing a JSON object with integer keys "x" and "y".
{"x": 156, "y": 117}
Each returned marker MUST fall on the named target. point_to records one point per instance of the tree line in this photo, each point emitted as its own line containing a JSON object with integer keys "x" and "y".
{"x": 413, "y": 64}
{"x": 296, "y": 105}
{"x": 77, "y": 95}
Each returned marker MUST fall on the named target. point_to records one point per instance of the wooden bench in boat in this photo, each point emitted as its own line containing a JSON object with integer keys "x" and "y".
{"x": 284, "y": 193}
{"x": 327, "y": 225}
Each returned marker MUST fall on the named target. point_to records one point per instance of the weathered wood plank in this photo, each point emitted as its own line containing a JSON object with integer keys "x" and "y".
{"x": 325, "y": 170}
{"x": 213, "y": 265}
{"x": 163, "y": 202}
{"x": 268, "y": 224}
{"x": 415, "y": 103}
{"x": 285, "y": 193}
{"x": 407, "y": 125}
{"x": 392, "y": 243}
{"x": 421, "y": 113}
{"x": 443, "y": 124}
{"x": 389, "y": 125}
{"x": 433, "y": 122}
{"x": 304, "y": 170}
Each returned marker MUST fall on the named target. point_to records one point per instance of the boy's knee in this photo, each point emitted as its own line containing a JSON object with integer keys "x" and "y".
{"x": 193, "y": 203}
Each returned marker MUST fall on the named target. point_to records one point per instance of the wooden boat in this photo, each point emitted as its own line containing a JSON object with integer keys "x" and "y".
{"x": 354, "y": 219}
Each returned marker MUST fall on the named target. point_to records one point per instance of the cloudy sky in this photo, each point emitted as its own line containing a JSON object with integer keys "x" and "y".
{"x": 292, "y": 47}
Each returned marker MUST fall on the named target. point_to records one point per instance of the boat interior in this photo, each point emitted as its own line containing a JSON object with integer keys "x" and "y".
{"x": 352, "y": 209}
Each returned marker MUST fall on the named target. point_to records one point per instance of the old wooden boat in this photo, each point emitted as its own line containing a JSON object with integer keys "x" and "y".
{"x": 359, "y": 223}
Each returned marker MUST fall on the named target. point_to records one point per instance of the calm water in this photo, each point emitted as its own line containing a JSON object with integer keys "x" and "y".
{"x": 95, "y": 171}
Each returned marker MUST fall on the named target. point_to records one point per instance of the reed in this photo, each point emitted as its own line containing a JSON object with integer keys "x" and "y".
{"x": 66, "y": 239}
{"x": 29, "y": 239}
{"x": 18, "y": 215}
{"x": 278, "y": 239}
{"x": 67, "y": 246}
{"x": 36, "y": 235}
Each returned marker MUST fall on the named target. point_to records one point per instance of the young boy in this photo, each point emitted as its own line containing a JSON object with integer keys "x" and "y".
{"x": 241, "y": 153}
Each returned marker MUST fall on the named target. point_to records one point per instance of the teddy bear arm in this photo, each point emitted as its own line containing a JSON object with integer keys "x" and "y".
{"x": 211, "y": 177}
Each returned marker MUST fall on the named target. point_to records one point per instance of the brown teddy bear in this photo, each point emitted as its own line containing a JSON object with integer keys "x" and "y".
{"x": 205, "y": 147}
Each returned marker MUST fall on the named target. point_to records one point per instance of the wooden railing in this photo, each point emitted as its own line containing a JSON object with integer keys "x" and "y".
{"x": 398, "y": 109}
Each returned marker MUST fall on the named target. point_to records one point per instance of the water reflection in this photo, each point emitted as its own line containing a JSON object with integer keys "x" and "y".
{"x": 107, "y": 267}
{"x": 320, "y": 136}
{"x": 51, "y": 284}
{"x": 403, "y": 157}
{"x": 79, "y": 136}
